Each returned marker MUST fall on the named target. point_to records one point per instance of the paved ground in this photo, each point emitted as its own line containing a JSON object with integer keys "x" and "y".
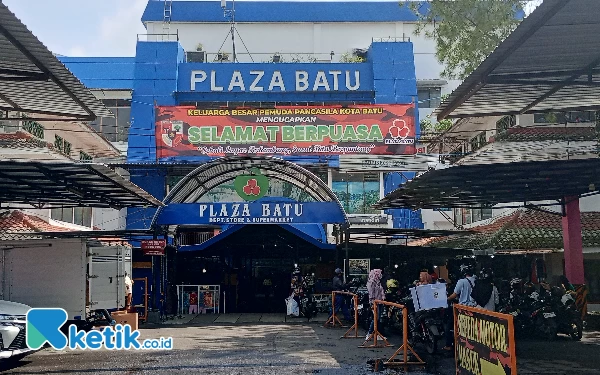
{"x": 292, "y": 348}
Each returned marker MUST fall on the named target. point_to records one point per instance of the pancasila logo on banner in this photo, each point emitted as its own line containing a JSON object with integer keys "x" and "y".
{"x": 485, "y": 342}
{"x": 355, "y": 130}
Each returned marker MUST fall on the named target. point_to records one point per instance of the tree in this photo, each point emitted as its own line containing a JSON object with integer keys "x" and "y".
{"x": 466, "y": 31}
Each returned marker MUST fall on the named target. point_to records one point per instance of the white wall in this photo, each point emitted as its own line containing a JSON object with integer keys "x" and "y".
{"x": 109, "y": 219}
{"x": 264, "y": 39}
{"x": 435, "y": 220}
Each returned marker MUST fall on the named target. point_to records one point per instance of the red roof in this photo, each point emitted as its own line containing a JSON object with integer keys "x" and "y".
{"x": 12, "y": 222}
{"x": 522, "y": 229}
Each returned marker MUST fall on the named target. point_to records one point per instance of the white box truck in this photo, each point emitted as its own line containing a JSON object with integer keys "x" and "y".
{"x": 78, "y": 275}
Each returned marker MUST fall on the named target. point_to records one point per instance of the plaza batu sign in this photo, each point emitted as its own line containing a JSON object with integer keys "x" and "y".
{"x": 284, "y": 131}
{"x": 274, "y": 77}
{"x": 257, "y": 212}
{"x": 485, "y": 342}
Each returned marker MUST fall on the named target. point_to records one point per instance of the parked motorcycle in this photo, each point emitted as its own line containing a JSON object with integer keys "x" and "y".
{"x": 567, "y": 316}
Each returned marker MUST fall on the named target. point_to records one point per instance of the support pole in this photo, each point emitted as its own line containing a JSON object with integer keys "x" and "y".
{"x": 572, "y": 239}
{"x": 347, "y": 260}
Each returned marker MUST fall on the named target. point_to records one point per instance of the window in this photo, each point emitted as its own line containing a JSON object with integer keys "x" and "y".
{"x": 115, "y": 129}
{"x": 78, "y": 215}
{"x": 506, "y": 123}
{"x": 561, "y": 117}
{"x": 429, "y": 97}
{"x": 357, "y": 192}
{"x": 465, "y": 216}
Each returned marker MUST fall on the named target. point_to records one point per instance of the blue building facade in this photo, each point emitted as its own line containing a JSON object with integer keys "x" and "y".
{"x": 161, "y": 75}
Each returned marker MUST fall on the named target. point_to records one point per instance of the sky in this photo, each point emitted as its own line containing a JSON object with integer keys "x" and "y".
{"x": 88, "y": 27}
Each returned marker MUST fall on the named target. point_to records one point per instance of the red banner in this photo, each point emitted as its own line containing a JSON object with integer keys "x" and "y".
{"x": 154, "y": 247}
{"x": 285, "y": 131}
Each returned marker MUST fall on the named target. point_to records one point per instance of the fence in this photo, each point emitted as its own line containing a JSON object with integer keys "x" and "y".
{"x": 333, "y": 320}
{"x": 405, "y": 347}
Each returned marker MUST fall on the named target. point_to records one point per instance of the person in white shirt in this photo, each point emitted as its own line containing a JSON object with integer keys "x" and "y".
{"x": 128, "y": 291}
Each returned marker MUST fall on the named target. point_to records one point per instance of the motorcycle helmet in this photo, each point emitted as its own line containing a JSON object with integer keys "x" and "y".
{"x": 466, "y": 269}
{"x": 486, "y": 274}
{"x": 338, "y": 271}
{"x": 567, "y": 299}
{"x": 391, "y": 284}
{"x": 515, "y": 283}
{"x": 534, "y": 296}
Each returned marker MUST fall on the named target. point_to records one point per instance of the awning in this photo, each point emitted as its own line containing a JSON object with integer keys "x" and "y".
{"x": 34, "y": 81}
{"x": 485, "y": 185}
{"x": 551, "y": 62}
{"x": 399, "y": 235}
{"x": 63, "y": 184}
{"x": 246, "y": 240}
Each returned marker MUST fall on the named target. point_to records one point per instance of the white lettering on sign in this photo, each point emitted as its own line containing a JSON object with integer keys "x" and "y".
{"x": 254, "y": 86}
{"x": 304, "y": 81}
{"x": 240, "y": 212}
{"x": 198, "y": 76}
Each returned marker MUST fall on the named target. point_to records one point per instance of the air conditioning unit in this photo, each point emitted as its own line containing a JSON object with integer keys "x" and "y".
{"x": 196, "y": 56}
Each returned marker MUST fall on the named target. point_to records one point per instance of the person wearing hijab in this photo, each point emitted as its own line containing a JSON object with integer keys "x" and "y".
{"x": 376, "y": 292}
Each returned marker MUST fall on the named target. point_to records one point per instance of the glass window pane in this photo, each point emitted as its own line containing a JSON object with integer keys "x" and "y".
{"x": 78, "y": 216}
{"x": 123, "y": 120}
{"x": 87, "y": 217}
{"x": 109, "y": 128}
{"x": 423, "y": 95}
{"x": 56, "y": 214}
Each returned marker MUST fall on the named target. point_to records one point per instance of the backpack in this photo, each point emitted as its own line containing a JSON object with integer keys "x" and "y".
{"x": 481, "y": 291}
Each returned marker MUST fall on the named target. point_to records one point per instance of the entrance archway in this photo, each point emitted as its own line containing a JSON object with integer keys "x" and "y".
{"x": 260, "y": 232}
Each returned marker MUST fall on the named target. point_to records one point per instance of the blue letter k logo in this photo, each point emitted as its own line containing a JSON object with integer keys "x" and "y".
{"x": 43, "y": 326}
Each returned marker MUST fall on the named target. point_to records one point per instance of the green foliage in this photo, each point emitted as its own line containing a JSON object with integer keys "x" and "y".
{"x": 466, "y": 31}
{"x": 351, "y": 58}
{"x": 428, "y": 126}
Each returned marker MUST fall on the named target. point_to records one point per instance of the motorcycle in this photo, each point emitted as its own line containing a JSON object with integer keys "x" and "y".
{"x": 568, "y": 317}
{"x": 426, "y": 327}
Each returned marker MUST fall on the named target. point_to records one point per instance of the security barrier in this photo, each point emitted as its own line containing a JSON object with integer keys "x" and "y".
{"x": 333, "y": 320}
{"x": 405, "y": 347}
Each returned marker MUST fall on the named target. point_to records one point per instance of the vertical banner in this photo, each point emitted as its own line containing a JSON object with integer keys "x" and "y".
{"x": 484, "y": 342}
{"x": 285, "y": 131}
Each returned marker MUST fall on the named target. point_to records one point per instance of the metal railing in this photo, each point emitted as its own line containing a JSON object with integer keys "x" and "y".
{"x": 267, "y": 57}
{"x": 168, "y": 37}
{"x": 404, "y": 348}
{"x": 333, "y": 320}
{"x": 391, "y": 39}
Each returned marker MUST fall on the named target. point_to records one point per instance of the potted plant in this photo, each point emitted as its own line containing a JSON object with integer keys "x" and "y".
{"x": 199, "y": 47}
{"x": 276, "y": 58}
{"x": 222, "y": 56}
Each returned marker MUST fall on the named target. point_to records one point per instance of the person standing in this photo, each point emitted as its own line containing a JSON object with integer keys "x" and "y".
{"x": 193, "y": 303}
{"x": 128, "y": 292}
{"x": 462, "y": 291}
{"x": 485, "y": 281}
{"x": 340, "y": 301}
{"x": 376, "y": 292}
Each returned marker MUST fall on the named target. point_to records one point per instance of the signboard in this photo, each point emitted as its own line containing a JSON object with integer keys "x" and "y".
{"x": 265, "y": 78}
{"x": 281, "y": 212}
{"x": 368, "y": 219}
{"x": 251, "y": 187}
{"x": 154, "y": 247}
{"x": 389, "y": 163}
{"x": 484, "y": 341}
{"x": 286, "y": 131}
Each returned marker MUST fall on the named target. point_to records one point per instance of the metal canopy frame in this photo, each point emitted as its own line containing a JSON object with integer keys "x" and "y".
{"x": 485, "y": 185}
{"x": 115, "y": 235}
{"x": 551, "y": 62}
{"x": 67, "y": 184}
{"x": 401, "y": 233}
{"x": 33, "y": 80}
{"x": 219, "y": 171}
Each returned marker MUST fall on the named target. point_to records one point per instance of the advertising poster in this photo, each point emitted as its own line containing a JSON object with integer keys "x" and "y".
{"x": 286, "y": 131}
{"x": 484, "y": 341}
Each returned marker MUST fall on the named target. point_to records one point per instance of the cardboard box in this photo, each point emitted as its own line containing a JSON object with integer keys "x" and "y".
{"x": 122, "y": 317}
{"x": 430, "y": 296}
